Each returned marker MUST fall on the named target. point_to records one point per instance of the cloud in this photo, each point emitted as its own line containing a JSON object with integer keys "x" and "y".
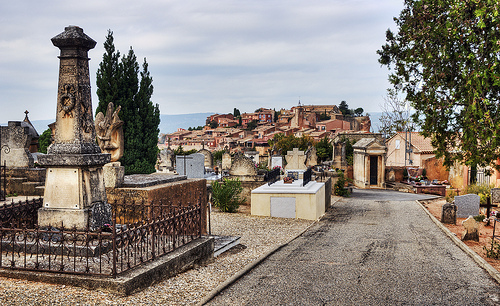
{"x": 205, "y": 55}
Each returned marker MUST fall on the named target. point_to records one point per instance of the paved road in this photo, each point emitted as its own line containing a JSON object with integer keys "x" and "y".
{"x": 375, "y": 248}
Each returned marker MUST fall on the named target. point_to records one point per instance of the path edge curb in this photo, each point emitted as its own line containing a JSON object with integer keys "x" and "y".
{"x": 478, "y": 259}
{"x": 249, "y": 267}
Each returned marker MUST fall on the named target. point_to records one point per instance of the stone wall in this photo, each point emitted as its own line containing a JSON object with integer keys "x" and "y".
{"x": 184, "y": 193}
{"x": 434, "y": 169}
{"x": 25, "y": 181}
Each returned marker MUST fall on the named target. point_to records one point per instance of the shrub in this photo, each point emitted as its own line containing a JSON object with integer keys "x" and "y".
{"x": 226, "y": 195}
{"x": 482, "y": 190}
{"x": 494, "y": 250}
{"x": 339, "y": 187}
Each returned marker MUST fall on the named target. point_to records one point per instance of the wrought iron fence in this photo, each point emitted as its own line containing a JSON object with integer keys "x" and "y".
{"x": 3, "y": 181}
{"x": 307, "y": 176}
{"x": 272, "y": 176}
{"x": 139, "y": 233}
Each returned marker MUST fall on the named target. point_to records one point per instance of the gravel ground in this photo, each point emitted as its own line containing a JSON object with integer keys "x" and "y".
{"x": 258, "y": 235}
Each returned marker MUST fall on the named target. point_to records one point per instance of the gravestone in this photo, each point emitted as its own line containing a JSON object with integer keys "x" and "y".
{"x": 449, "y": 213}
{"x": 467, "y": 205}
{"x": 15, "y": 143}
{"x": 277, "y": 161}
{"x": 191, "y": 165}
{"x": 166, "y": 160}
{"x": 209, "y": 159}
{"x": 311, "y": 157}
{"x": 295, "y": 160}
{"x": 495, "y": 195}
{"x": 74, "y": 195}
{"x": 242, "y": 166}
{"x": 226, "y": 161}
{"x": 471, "y": 231}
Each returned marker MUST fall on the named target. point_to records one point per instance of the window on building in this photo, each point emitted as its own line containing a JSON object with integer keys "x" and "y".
{"x": 398, "y": 144}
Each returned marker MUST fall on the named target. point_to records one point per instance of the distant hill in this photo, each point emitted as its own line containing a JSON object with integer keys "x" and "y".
{"x": 170, "y": 123}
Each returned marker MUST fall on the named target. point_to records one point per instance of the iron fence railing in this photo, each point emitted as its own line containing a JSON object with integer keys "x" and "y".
{"x": 3, "y": 181}
{"x": 307, "y": 176}
{"x": 139, "y": 233}
{"x": 272, "y": 176}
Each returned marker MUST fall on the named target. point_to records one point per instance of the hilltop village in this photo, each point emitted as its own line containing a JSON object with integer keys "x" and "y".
{"x": 251, "y": 131}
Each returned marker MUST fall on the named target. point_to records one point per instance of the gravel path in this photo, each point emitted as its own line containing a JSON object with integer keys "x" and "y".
{"x": 258, "y": 235}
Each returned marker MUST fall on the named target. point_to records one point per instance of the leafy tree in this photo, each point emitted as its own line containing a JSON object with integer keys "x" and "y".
{"x": 324, "y": 149}
{"x": 395, "y": 117}
{"x": 358, "y": 111}
{"x": 287, "y": 143}
{"x": 344, "y": 108}
{"x": 213, "y": 124}
{"x": 119, "y": 82}
{"x": 45, "y": 140}
{"x": 445, "y": 59}
{"x": 217, "y": 156}
{"x": 251, "y": 125}
{"x": 324, "y": 116}
{"x": 180, "y": 151}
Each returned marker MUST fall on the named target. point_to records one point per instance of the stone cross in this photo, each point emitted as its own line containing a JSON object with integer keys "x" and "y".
{"x": 471, "y": 227}
{"x": 295, "y": 160}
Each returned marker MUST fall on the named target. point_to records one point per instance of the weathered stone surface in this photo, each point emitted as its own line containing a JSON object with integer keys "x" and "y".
{"x": 242, "y": 166}
{"x": 471, "y": 227}
{"x": 166, "y": 160}
{"x": 311, "y": 157}
{"x": 146, "y": 180}
{"x": 226, "y": 161}
{"x": 295, "y": 160}
{"x": 114, "y": 174}
{"x": 109, "y": 130}
{"x": 495, "y": 195}
{"x": 75, "y": 183}
{"x": 467, "y": 205}
{"x": 15, "y": 142}
{"x": 72, "y": 160}
{"x": 180, "y": 193}
{"x": 209, "y": 160}
{"x": 449, "y": 213}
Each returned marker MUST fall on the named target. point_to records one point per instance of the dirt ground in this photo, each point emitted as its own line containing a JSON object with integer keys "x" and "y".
{"x": 485, "y": 231}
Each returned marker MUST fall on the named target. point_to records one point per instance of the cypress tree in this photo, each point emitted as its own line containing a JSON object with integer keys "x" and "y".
{"x": 118, "y": 82}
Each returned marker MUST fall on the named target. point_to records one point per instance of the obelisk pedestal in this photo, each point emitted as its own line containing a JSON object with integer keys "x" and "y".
{"x": 74, "y": 188}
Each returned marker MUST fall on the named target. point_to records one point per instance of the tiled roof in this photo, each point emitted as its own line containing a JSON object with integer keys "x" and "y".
{"x": 420, "y": 142}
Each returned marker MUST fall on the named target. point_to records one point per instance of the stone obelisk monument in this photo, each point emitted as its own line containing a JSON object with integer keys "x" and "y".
{"x": 74, "y": 189}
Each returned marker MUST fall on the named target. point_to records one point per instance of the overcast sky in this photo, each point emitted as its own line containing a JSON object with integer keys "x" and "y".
{"x": 205, "y": 56}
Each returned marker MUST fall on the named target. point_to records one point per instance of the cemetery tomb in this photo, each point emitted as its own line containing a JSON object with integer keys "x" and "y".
{"x": 289, "y": 200}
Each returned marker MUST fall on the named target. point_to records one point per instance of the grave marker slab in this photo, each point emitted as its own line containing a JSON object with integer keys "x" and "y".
{"x": 449, "y": 214}
{"x": 191, "y": 166}
{"x": 467, "y": 205}
{"x": 296, "y": 160}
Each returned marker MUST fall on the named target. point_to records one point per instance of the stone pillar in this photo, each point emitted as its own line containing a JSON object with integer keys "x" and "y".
{"x": 74, "y": 189}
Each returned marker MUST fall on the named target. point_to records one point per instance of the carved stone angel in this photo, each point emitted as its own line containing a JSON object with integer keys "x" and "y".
{"x": 109, "y": 132}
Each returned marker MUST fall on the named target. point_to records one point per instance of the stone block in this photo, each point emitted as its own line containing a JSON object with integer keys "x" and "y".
{"x": 114, "y": 175}
{"x": 471, "y": 227}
